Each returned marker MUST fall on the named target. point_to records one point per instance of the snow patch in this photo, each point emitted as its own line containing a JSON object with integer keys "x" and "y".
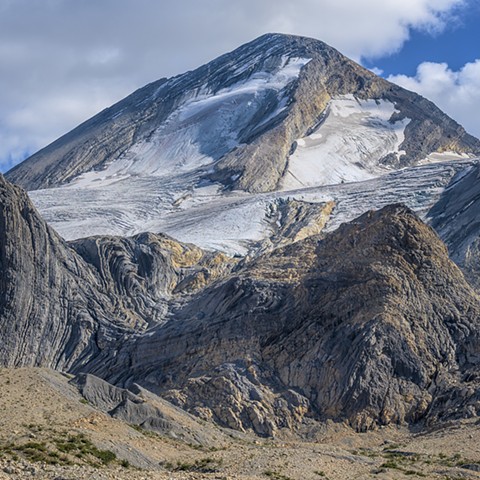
{"x": 443, "y": 157}
{"x": 201, "y": 130}
{"x": 348, "y": 146}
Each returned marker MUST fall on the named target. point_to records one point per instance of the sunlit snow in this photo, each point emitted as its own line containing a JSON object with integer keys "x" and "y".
{"x": 159, "y": 184}
{"x": 348, "y": 145}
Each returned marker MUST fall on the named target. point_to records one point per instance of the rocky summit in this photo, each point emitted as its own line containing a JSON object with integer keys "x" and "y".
{"x": 243, "y": 113}
{"x": 279, "y": 244}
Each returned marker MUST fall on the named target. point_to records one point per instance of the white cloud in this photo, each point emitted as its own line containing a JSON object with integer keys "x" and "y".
{"x": 377, "y": 71}
{"x": 456, "y": 93}
{"x": 64, "y": 60}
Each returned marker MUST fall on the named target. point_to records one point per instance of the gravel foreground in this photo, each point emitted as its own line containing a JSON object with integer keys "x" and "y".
{"x": 47, "y": 431}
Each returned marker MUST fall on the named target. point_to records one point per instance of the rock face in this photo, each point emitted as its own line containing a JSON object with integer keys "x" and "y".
{"x": 52, "y": 310}
{"x": 61, "y": 304}
{"x": 455, "y": 217}
{"x": 144, "y": 273}
{"x": 371, "y": 324}
{"x": 280, "y": 85}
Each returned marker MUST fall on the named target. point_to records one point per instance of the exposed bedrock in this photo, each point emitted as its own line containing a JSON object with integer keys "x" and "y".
{"x": 371, "y": 325}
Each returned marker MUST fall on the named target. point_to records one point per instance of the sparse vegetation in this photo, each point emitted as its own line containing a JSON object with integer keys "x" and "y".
{"x": 83, "y": 448}
{"x": 35, "y": 452}
{"x": 391, "y": 464}
{"x": 62, "y": 450}
{"x": 276, "y": 475}
{"x": 203, "y": 465}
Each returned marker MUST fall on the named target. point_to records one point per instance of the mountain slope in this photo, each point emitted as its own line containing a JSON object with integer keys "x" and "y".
{"x": 264, "y": 151}
{"x": 51, "y": 307}
{"x": 281, "y": 114}
{"x": 242, "y": 115}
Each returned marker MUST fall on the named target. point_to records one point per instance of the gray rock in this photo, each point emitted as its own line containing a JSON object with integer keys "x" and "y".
{"x": 371, "y": 324}
{"x": 140, "y": 407}
{"x": 260, "y": 160}
{"x": 53, "y": 312}
{"x": 59, "y": 309}
{"x": 456, "y": 217}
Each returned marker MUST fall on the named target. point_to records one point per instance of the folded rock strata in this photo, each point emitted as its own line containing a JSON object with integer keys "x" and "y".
{"x": 371, "y": 324}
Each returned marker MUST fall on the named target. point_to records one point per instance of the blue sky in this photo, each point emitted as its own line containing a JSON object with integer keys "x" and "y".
{"x": 62, "y": 61}
{"x": 457, "y": 44}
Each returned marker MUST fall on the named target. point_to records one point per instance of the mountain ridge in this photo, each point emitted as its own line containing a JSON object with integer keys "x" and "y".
{"x": 326, "y": 74}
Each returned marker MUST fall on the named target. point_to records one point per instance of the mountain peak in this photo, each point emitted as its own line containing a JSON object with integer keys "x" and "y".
{"x": 286, "y": 41}
{"x": 278, "y": 114}
{"x": 257, "y": 101}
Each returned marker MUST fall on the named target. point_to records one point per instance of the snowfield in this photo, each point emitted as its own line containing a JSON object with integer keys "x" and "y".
{"x": 159, "y": 184}
{"x": 232, "y": 222}
{"x": 348, "y": 146}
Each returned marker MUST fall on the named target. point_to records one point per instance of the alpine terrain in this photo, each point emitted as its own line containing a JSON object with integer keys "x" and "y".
{"x": 278, "y": 245}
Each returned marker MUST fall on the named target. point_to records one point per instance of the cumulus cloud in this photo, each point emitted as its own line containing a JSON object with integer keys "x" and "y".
{"x": 456, "y": 93}
{"x": 64, "y": 60}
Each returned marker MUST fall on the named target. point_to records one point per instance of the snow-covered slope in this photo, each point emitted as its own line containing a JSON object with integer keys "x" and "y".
{"x": 249, "y": 117}
{"x": 349, "y": 145}
{"x": 234, "y": 222}
{"x": 206, "y": 156}
{"x": 203, "y": 128}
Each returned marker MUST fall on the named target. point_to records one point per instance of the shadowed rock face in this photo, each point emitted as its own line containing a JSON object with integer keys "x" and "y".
{"x": 372, "y": 324}
{"x": 143, "y": 274}
{"x": 60, "y": 306}
{"x": 52, "y": 311}
{"x": 456, "y": 218}
{"x": 265, "y": 139}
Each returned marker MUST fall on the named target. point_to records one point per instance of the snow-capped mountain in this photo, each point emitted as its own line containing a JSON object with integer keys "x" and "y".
{"x": 206, "y": 156}
{"x": 273, "y": 152}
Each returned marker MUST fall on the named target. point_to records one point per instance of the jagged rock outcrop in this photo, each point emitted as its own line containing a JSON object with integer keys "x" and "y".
{"x": 372, "y": 325}
{"x": 293, "y": 220}
{"x": 251, "y": 141}
{"x": 139, "y": 407}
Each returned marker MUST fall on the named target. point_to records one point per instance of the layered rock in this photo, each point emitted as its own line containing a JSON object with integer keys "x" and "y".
{"x": 144, "y": 273}
{"x": 53, "y": 312}
{"x": 455, "y": 217}
{"x": 60, "y": 306}
{"x": 249, "y": 143}
{"x": 371, "y": 325}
